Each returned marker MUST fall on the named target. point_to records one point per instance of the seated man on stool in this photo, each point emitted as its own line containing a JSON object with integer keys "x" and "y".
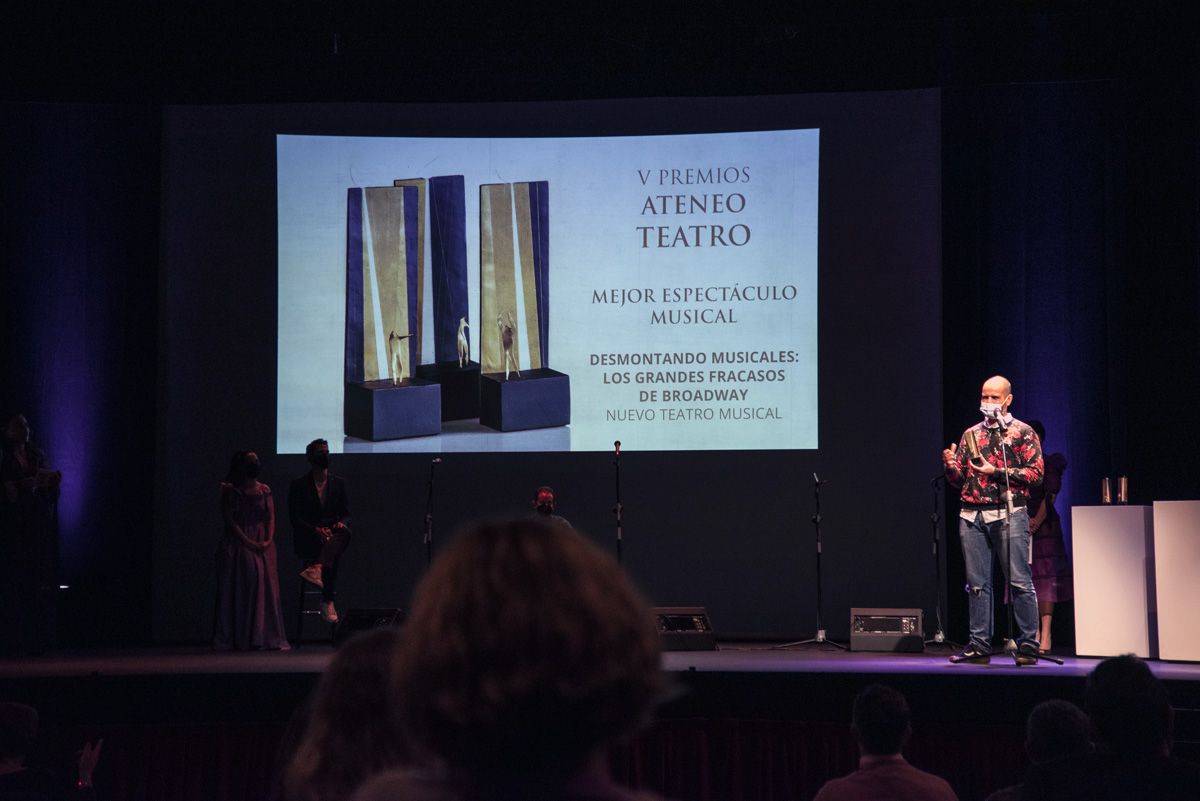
{"x": 320, "y": 523}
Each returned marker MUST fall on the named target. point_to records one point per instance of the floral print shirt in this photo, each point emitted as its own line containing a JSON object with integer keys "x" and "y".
{"x": 1025, "y": 469}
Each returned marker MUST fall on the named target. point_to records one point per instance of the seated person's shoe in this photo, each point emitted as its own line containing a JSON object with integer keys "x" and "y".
{"x": 328, "y": 612}
{"x": 973, "y": 655}
{"x": 1027, "y": 654}
{"x": 312, "y": 574}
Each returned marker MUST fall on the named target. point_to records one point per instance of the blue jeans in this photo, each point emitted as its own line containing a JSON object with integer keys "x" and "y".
{"x": 979, "y": 541}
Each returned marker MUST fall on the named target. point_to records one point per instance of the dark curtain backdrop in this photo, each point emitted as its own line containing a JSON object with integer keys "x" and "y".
{"x": 1069, "y": 259}
{"x": 1070, "y": 266}
{"x": 79, "y": 237}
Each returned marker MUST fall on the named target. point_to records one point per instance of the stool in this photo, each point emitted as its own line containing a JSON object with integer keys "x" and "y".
{"x": 310, "y": 604}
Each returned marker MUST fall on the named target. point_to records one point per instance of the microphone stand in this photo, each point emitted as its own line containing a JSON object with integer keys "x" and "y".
{"x": 819, "y": 638}
{"x": 935, "y": 519}
{"x": 1010, "y": 645}
{"x": 1008, "y": 513}
{"x": 618, "y": 509}
{"x": 429, "y": 514}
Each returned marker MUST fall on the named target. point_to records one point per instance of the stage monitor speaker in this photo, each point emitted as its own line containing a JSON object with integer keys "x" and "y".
{"x": 684, "y": 628}
{"x": 894, "y": 630}
{"x": 359, "y": 620}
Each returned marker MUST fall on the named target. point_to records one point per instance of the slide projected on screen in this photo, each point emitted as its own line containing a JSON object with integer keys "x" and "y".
{"x": 548, "y": 294}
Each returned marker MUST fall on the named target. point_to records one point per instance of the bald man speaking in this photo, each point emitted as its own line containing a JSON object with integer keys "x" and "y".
{"x": 989, "y": 524}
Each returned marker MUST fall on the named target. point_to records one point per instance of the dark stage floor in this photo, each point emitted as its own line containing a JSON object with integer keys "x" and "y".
{"x": 730, "y": 658}
{"x": 739, "y": 681}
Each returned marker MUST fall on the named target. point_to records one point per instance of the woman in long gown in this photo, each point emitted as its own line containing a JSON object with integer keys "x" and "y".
{"x": 248, "y": 614}
{"x": 1052, "y": 577}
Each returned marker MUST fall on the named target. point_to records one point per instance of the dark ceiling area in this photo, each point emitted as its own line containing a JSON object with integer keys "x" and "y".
{"x": 372, "y": 51}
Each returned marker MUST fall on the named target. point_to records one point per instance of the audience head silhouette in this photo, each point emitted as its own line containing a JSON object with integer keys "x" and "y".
{"x": 347, "y": 739}
{"x": 1129, "y": 707}
{"x": 1056, "y": 729}
{"x": 527, "y": 652}
{"x": 880, "y": 720}
{"x": 881, "y": 724}
{"x": 1131, "y": 718}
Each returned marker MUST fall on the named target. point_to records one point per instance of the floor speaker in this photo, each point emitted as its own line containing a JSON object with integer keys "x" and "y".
{"x": 684, "y": 628}
{"x": 895, "y": 630}
{"x": 359, "y": 620}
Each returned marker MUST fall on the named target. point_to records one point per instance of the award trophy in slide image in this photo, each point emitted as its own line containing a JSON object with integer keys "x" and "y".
{"x": 518, "y": 390}
{"x": 384, "y": 245}
{"x": 452, "y": 367}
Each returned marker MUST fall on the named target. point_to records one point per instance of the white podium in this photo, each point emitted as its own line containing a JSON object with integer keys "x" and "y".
{"x": 1177, "y": 566}
{"x": 1114, "y": 562}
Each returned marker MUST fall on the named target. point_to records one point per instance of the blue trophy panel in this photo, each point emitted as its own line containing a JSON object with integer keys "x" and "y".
{"x": 448, "y": 264}
{"x": 460, "y": 388}
{"x": 354, "y": 285}
{"x": 379, "y": 410}
{"x": 538, "y": 399}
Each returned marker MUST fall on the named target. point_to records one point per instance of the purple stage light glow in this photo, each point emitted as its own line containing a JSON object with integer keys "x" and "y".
{"x": 63, "y": 414}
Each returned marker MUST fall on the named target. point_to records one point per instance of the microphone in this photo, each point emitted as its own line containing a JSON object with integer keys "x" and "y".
{"x": 617, "y": 445}
{"x": 436, "y": 460}
{"x": 819, "y": 480}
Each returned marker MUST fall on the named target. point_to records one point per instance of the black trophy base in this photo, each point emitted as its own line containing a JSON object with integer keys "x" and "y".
{"x": 538, "y": 399}
{"x": 460, "y": 388}
{"x": 381, "y": 410}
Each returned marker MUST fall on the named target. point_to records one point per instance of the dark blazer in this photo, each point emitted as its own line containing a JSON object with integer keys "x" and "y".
{"x": 307, "y": 513}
